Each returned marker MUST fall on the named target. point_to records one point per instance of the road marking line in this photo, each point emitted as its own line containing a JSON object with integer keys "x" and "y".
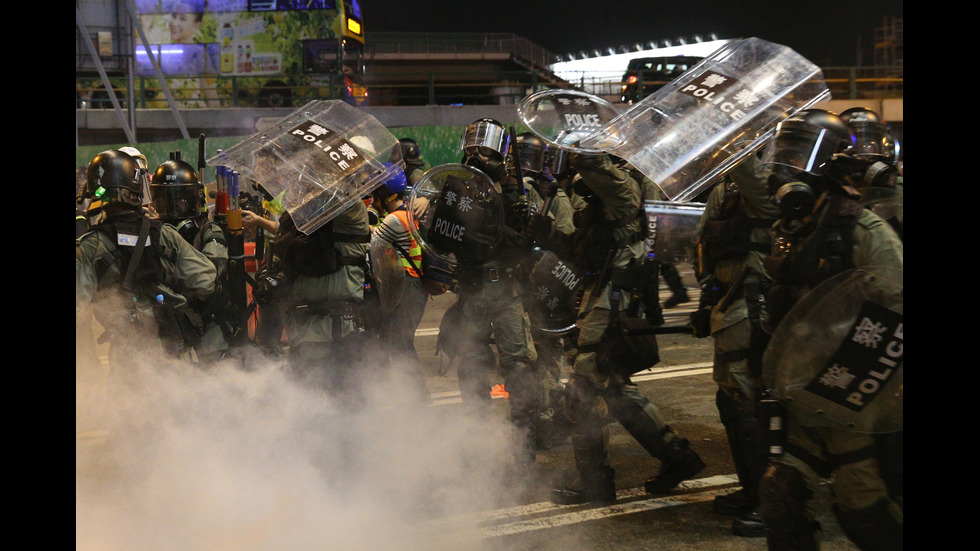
{"x": 503, "y": 522}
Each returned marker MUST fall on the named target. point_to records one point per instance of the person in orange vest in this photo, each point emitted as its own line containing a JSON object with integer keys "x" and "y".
{"x": 398, "y": 327}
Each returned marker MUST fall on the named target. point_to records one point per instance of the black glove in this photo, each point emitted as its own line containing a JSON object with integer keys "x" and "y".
{"x": 586, "y": 161}
{"x": 539, "y": 227}
{"x": 701, "y": 322}
{"x": 267, "y": 286}
{"x": 520, "y": 209}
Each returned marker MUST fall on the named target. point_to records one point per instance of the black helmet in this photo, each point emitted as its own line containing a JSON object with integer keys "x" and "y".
{"x": 872, "y": 139}
{"x": 176, "y": 190}
{"x": 410, "y": 150}
{"x": 807, "y": 141}
{"x": 531, "y": 150}
{"x": 114, "y": 175}
{"x": 485, "y": 136}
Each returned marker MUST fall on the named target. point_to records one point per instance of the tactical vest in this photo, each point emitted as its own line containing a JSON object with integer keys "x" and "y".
{"x": 803, "y": 259}
{"x": 178, "y": 328}
{"x": 151, "y": 270}
{"x": 594, "y": 236}
{"x": 727, "y": 233}
{"x": 314, "y": 255}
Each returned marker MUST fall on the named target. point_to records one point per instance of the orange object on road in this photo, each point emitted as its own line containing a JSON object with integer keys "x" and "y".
{"x": 499, "y": 390}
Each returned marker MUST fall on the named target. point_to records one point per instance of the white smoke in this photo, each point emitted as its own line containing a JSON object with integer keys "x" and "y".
{"x": 172, "y": 456}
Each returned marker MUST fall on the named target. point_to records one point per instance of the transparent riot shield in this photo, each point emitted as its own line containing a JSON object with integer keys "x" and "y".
{"x": 672, "y": 230}
{"x": 836, "y": 359}
{"x": 321, "y": 158}
{"x": 563, "y": 118}
{"x": 887, "y": 203}
{"x": 457, "y": 213}
{"x": 684, "y": 136}
{"x": 389, "y": 275}
{"x": 552, "y": 294}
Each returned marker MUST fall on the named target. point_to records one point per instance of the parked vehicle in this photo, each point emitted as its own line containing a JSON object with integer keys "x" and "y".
{"x": 646, "y": 75}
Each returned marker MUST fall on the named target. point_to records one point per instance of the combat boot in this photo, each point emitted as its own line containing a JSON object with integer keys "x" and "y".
{"x": 680, "y": 463}
{"x": 749, "y": 525}
{"x": 678, "y": 297}
{"x": 736, "y": 503}
{"x": 598, "y": 486}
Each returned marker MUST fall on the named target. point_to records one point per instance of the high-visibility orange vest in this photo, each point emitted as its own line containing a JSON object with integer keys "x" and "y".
{"x": 415, "y": 250}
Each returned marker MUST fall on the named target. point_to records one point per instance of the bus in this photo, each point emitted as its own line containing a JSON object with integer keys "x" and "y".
{"x": 249, "y": 53}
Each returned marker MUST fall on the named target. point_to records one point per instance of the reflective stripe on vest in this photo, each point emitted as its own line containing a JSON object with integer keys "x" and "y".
{"x": 414, "y": 250}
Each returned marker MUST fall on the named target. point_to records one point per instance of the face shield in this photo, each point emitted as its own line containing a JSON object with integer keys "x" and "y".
{"x": 484, "y": 138}
{"x": 176, "y": 201}
{"x": 872, "y": 141}
{"x": 144, "y": 174}
{"x": 532, "y": 157}
{"x": 801, "y": 150}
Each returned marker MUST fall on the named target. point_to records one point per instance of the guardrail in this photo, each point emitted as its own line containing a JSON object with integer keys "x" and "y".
{"x": 422, "y": 88}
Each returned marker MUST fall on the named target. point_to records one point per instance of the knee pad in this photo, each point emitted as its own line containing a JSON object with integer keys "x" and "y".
{"x": 873, "y": 528}
{"x": 580, "y": 398}
{"x": 783, "y": 495}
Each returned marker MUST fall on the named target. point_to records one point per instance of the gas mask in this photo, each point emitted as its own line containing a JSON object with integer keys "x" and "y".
{"x": 487, "y": 162}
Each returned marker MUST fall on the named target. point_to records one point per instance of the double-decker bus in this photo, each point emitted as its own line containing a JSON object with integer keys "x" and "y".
{"x": 248, "y": 53}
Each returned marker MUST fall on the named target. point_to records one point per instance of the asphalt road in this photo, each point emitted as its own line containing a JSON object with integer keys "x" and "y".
{"x": 203, "y": 475}
{"x": 682, "y": 388}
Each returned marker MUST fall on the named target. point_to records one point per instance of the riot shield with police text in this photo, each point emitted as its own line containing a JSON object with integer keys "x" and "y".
{"x": 836, "y": 358}
{"x": 320, "y": 159}
{"x": 683, "y": 136}
{"x": 457, "y": 214}
{"x": 563, "y": 118}
{"x": 673, "y": 229}
{"x": 552, "y": 294}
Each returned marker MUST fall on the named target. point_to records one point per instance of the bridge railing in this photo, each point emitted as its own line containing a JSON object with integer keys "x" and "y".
{"x": 422, "y": 88}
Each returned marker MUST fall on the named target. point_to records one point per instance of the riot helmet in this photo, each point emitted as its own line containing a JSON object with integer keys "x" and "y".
{"x": 176, "y": 190}
{"x": 807, "y": 141}
{"x": 531, "y": 150}
{"x": 411, "y": 153}
{"x": 874, "y": 146}
{"x": 872, "y": 140}
{"x": 114, "y": 176}
{"x": 800, "y": 155}
{"x": 557, "y": 162}
{"x": 484, "y": 145}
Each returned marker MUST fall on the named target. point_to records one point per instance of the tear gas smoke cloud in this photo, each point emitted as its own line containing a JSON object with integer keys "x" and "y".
{"x": 249, "y": 460}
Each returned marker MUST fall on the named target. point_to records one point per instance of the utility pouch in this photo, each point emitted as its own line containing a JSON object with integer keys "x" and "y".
{"x": 629, "y": 345}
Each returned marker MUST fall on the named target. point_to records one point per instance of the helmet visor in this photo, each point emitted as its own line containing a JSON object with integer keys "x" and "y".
{"x": 808, "y": 150}
{"x": 532, "y": 158}
{"x": 872, "y": 141}
{"x": 484, "y": 137}
{"x": 176, "y": 201}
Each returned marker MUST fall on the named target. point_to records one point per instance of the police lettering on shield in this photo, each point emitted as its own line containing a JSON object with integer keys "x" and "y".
{"x": 718, "y": 89}
{"x": 866, "y": 360}
{"x": 341, "y": 152}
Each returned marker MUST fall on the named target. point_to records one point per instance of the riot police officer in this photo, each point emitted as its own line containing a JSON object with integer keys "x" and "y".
{"x": 490, "y": 296}
{"x": 822, "y": 231}
{"x": 414, "y": 163}
{"x": 875, "y": 170}
{"x": 155, "y": 274}
{"x": 178, "y": 199}
{"x": 549, "y": 199}
{"x": 733, "y": 244}
{"x": 609, "y": 243}
{"x": 321, "y": 282}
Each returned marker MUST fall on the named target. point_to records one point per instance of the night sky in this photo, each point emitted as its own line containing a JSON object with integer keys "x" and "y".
{"x": 828, "y": 32}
